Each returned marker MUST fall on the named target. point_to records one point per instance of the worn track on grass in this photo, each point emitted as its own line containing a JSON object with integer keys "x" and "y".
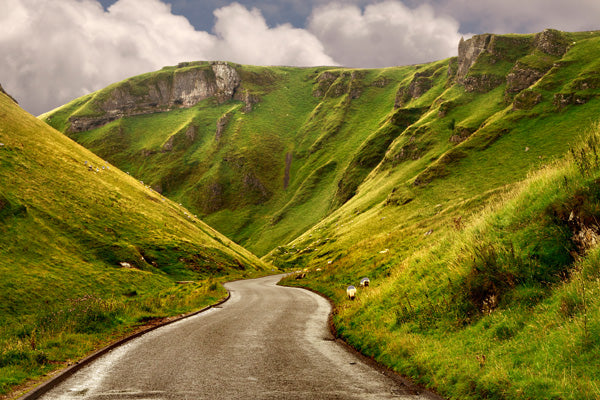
{"x": 266, "y": 342}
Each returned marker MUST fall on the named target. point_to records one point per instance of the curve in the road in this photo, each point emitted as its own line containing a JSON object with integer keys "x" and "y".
{"x": 266, "y": 342}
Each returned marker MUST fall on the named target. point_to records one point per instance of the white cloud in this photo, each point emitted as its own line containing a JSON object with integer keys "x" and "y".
{"x": 384, "y": 34}
{"x": 54, "y": 51}
{"x": 518, "y": 16}
{"x": 245, "y": 37}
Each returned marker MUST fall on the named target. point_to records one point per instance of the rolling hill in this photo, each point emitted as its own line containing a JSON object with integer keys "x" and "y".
{"x": 466, "y": 189}
{"x": 87, "y": 251}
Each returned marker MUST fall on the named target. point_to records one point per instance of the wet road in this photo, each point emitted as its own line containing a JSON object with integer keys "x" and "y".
{"x": 266, "y": 342}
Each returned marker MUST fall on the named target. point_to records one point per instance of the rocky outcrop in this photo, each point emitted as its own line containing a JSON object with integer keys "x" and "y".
{"x": 482, "y": 83}
{"x": 552, "y": 42}
{"x": 561, "y": 100}
{"x": 253, "y": 186}
{"x": 249, "y": 99}
{"x": 485, "y": 51}
{"x": 468, "y": 51}
{"x": 417, "y": 87}
{"x": 521, "y": 77}
{"x": 221, "y": 125}
{"x": 183, "y": 87}
{"x": 180, "y": 140}
{"x": 380, "y": 82}
{"x": 526, "y": 100}
{"x": 335, "y": 84}
{"x": 324, "y": 82}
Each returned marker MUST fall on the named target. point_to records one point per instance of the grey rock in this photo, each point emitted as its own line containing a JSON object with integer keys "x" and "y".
{"x": 468, "y": 51}
{"x": 552, "y": 42}
{"x": 183, "y": 88}
{"x": 521, "y": 77}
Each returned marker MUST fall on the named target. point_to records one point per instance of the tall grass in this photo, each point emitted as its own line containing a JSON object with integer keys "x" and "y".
{"x": 32, "y": 344}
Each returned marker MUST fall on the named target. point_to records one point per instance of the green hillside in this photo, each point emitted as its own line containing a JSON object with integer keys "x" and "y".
{"x": 449, "y": 184}
{"x": 88, "y": 252}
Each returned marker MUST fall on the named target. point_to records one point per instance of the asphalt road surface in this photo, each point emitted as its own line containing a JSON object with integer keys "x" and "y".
{"x": 266, "y": 342}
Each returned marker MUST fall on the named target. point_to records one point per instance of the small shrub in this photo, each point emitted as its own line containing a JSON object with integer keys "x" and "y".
{"x": 570, "y": 304}
{"x": 489, "y": 278}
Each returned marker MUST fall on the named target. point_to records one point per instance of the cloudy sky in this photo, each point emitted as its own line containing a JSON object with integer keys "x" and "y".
{"x": 52, "y": 51}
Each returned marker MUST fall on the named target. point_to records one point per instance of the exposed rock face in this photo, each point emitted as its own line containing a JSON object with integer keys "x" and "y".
{"x": 468, "y": 51}
{"x": 336, "y": 84}
{"x": 228, "y": 80}
{"x": 380, "y": 82}
{"x": 324, "y": 82}
{"x": 552, "y": 42}
{"x": 521, "y": 77}
{"x": 184, "y": 88}
{"x": 419, "y": 85}
{"x": 248, "y": 98}
{"x": 526, "y": 100}
{"x": 482, "y": 83}
{"x": 562, "y": 100}
{"x": 221, "y": 125}
{"x": 214, "y": 195}
{"x": 495, "y": 48}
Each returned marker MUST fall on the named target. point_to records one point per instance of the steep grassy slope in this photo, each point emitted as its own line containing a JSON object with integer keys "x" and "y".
{"x": 86, "y": 251}
{"x": 497, "y": 304}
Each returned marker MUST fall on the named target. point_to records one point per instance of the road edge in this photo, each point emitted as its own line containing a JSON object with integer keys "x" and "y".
{"x": 51, "y": 383}
{"x": 402, "y": 380}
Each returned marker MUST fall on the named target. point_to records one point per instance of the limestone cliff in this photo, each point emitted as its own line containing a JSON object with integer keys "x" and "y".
{"x": 182, "y": 87}
{"x": 483, "y": 59}
{"x": 468, "y": 51}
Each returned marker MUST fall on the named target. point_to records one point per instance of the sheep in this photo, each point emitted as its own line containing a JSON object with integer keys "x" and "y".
{"x": 364, "y": 282}
{"x": 351, "y": 292}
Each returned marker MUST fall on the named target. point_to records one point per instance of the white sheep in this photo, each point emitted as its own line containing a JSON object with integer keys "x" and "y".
{"x": 351, "y": 292}
{"x": 364, "y": 282}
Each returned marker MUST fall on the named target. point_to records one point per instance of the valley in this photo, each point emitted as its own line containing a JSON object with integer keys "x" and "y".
{"x": 466, "y": 189}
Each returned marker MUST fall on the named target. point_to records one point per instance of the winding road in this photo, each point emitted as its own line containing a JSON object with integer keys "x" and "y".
{"x": 265, "y": 342}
